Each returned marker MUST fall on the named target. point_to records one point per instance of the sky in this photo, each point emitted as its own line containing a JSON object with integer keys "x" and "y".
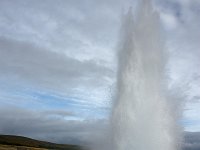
{"x": 58, "y": 64}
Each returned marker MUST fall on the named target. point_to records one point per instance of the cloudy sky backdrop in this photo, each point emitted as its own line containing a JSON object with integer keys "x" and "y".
{"x": 58, "y": 64}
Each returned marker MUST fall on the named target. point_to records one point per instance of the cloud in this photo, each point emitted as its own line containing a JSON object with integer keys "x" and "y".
{"x": 72, "y": 27}
{"x": 181, "y": 22}
{"x": 24, "y": 63}
{"x": 39, "y": 65}
{"x": 47, "y": 126}
{"x": 192, "y": 140}
{"x": 67, "y": 48}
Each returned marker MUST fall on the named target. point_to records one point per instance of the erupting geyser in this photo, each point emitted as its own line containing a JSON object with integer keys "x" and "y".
{"x": 142, "y": 117}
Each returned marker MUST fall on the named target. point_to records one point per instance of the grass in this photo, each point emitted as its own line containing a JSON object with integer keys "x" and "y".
{"x": 11, "y": 147}
{"x": 10, "y": 142}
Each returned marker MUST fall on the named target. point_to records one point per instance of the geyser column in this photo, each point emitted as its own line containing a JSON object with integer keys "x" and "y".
{"x": 142, "y": 118}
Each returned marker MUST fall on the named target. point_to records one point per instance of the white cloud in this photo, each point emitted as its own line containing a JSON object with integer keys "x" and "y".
{"x": 184, "y": 61}
{"x": 69, "y": 45}
{"x": 169, "y": 20}
{"x": 26, "y": 63}
{"x": 41, "y": 125}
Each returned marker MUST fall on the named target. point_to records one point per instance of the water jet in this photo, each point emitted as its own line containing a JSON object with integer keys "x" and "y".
{"x": 141, "y": 117}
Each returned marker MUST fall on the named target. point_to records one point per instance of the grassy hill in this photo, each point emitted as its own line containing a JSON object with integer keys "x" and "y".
{"x": 23, "y": 143}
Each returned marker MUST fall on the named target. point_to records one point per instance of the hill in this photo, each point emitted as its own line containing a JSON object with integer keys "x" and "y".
{"x": 24, "y": 142}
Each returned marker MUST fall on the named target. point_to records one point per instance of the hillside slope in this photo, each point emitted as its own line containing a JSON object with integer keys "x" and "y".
{"x": 28, "y": 142}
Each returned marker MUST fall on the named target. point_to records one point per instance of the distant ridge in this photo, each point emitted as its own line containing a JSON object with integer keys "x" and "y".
{"x": 28, "y": 142}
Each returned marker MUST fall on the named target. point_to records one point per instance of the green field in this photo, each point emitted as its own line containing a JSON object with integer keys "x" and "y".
{"x": 8, "y": 142}
{"x": 10, "y": 147}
